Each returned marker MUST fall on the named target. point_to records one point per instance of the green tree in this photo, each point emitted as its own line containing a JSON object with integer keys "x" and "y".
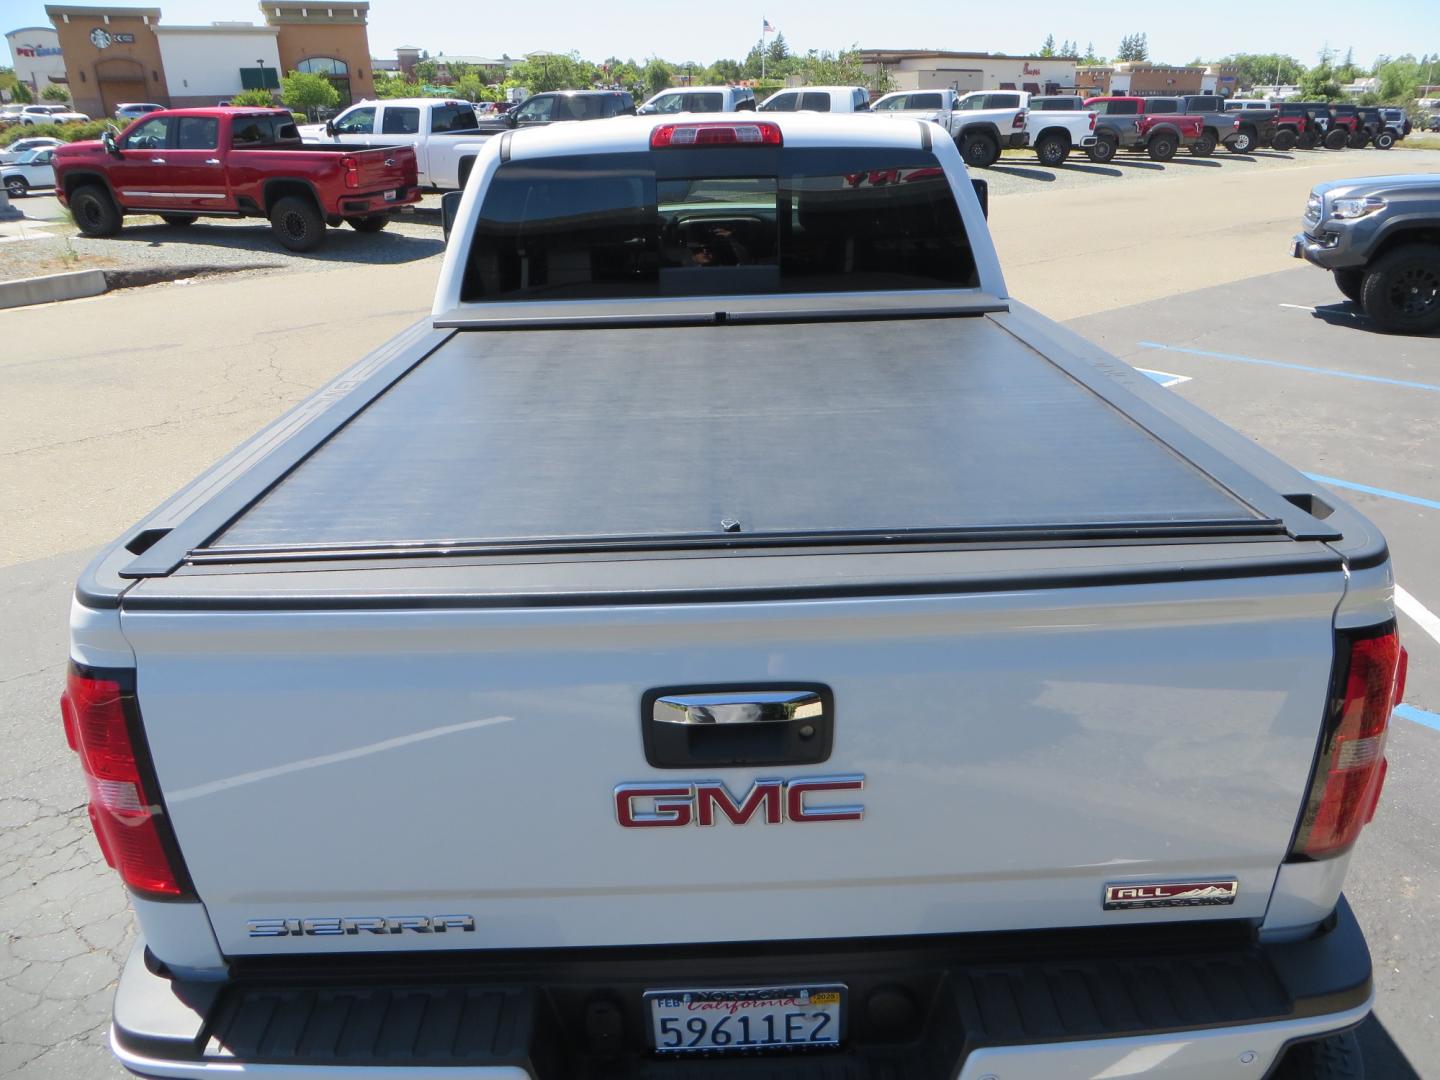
{"x": 1320, "y": 83}
{"x": 21, "y": 94}
{"x": 55, "y": 92}
{"x": 1048, "y": 47}
{"x": 722, "y": 71}
{"x": 1265, "y": 69}
{"x": 557, "y": 71}
{"x": 1069, "y": 48}
{"x": 778, "y": 51}
{"x": 305, "y": 93}
{"x": 846, "y": 68}
{"x": 396, "y": 86}
{"x": 1399, "y": 77}
{"x": 657, "y": 75}
{"x": 1134, "y": 47}
{"x": 253, "y": 98}
{"x": 427, "y": 72}
{"x": 1090, "y": 56}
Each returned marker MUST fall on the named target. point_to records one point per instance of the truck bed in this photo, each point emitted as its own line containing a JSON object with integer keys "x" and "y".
{"x": 647, "y": 434}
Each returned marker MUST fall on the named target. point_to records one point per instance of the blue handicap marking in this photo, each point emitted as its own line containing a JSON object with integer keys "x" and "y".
{"x": 1418, "y": 716}
{"x": 1164, "y": 378}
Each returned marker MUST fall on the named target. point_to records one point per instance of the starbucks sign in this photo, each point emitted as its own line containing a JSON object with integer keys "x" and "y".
{"x": 103, "y": 39}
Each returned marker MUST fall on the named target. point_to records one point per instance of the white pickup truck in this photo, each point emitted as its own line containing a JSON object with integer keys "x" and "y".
{"x": 732, "y": 636}
{"x": 983, "y": 123}
{"x": 446, "y": 135}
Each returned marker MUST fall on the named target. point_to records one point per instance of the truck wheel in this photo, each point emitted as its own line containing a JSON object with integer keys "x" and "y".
{"x": 179, "y": 220}
{"x": 1401, "y": 292}
{"x": 94, "y": 211}
{"x": 1161, "y": 147}
{"x": 979, "y": 150}
{"x": 1284, "y": 140}
{"x": 371, "y": 223}
{"x": 1336, "y": 138}
{"x": 297, "y": 223}
{"x": 1102, "y": 151}
{"x": 17, "y": 187}
{"x": 1052, "y": 150}
{"x": 1243, "y": 142}
{"x": 1349, "y": 282}
{"x": 1357, "y": 141}
{"x": 1337, "y": 1057}
{"x": 1385, "y": 140}
{"x": 1205, "y": 147}
{"x": 1307, "y": 141}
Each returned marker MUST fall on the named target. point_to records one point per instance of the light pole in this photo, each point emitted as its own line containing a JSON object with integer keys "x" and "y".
{"x": 261, "y": 63}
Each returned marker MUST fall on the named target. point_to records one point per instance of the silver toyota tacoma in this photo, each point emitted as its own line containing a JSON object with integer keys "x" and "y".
{"x": 733, "y": 637}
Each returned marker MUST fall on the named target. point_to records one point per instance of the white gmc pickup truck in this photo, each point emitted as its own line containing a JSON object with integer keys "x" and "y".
{"x": 733, "y": 637}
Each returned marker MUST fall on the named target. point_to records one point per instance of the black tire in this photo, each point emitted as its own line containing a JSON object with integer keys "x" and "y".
{"x": 1285, "y": 139}
{"x": 179, "y": 220}
{"x": 1336, "y": 139}
{"x": 94, "y": 211}
{"x": 17, "y": 187}
{"x": 1385, "y": 140}
{"x": 1162, "y": 147}
{"x": 1052, "y": 150}
{"x": 1401, "y": 292}
{"x": 979, "y": 149}
{"x": 1349, "y": 283}
{"x": 1205, "y": 147}
{"x": 1102, "y": 151}
{"x": 371, "y": 223}
{"x": 1357, "y": 141}
{"x": 297, "y": 223}
{"x": 1337, "y": 1057}
{"x": 1307, "y": 141}
{"x": 1243, "y": 142}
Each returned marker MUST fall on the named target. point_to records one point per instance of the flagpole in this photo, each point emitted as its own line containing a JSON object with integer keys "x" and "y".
{"x": 763, "y": 24}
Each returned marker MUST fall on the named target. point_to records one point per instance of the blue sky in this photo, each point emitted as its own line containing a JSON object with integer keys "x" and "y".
{"x": 700, "y": 32}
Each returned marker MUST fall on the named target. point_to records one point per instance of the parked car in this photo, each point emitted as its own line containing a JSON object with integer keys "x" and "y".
{"x": 1218, "y": 127}
{"x": 982, "y": 124}
{"x": 446, "y": 136}
{"x": 508, "y": 708}
{"x": 565, "y": 106}
{"x": 1374, "y": 130}
{"x": 1129, "y": 123}
{"x": 10, "y": 114}
{"x": 1056, "y": 103}
{"x": 184, "y": 164}
{"x": 831, "y": 99}
{"x": 24, "y": 146}
{"x": 1380, "y": 237}
{"x": 1398, "y": 119}
{"x": 700, "y": 99}
{"x": 50, "y": 114}
{"x": 1434, "y": 124}
{"x": 132, "y": 110}
{"x": 1247, "y": 103}
{"x": 1318, "y": 127}
{"x": 30, "y": 170}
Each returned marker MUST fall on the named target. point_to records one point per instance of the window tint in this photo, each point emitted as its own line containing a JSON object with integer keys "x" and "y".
{"x": 781, "y": 103}
{"x": 926, "y": 101}
{"x": 536, "y": 110}
{"x": 356, "y": 122}
{"x": 607, "y": 226}
{"x": 815, "y": 102}
{"x": 894, "y": 103}
{"x": 197, "y": 133}
{"x": 1118, "y": 108}
{"x": 149, "y": 134}
{"x": 1002, "y": 101}
{"x": 709, "y": 102}
{"x": 859, "y": 99}
{"x": 1162, "y": 105}
{"x": 668, "y": 103}
{"x": 400, "y": 120}
{"x": 453, "y": 118}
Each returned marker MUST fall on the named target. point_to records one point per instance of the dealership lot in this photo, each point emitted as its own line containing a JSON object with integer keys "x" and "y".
{"x": 108, "y": 405}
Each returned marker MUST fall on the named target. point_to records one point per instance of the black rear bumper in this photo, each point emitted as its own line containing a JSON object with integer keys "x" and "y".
{"x": 918, "y": 1006}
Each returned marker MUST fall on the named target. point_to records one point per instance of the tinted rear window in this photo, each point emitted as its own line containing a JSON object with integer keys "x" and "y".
{"x": 453, "y": 118}
{"x": 926, "y": 101}
{"x": 714, "y": 222}
{"x": 815, "y": 102}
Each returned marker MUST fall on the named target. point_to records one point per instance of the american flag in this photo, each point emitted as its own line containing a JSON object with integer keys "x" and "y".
{"x": 766, "y": 28}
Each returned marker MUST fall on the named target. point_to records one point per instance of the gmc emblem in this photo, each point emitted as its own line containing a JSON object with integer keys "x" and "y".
{"x": 704, "y": 802}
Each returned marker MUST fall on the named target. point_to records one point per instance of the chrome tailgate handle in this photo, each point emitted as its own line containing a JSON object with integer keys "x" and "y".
{"x": 739, "y": 707}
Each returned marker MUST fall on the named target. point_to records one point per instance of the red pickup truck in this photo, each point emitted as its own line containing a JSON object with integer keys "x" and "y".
{"x": 1127, "y": 123}
{"x": 232, "y": 162}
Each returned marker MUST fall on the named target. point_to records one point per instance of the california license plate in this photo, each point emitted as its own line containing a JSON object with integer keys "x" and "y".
{"x": 390, "y": 196}
{"x": 746, "y": 1018}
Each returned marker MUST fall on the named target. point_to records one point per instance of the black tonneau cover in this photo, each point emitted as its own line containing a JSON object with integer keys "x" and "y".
{"x": 727, "y": 433}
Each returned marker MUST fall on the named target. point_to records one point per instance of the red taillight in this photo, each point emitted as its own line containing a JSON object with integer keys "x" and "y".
{"x": 1019, "y": 121}
{"x": 352, "y": 171}
{"x": 759, "y": 133}
{"x": 1092, "y": 121}
{"x": 123, "y": 807}
{"x": 1350, "y": 770}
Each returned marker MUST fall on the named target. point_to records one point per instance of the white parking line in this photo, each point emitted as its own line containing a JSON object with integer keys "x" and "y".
{"x": 1299, "y": 307}
{"x": 1426, "y": 619}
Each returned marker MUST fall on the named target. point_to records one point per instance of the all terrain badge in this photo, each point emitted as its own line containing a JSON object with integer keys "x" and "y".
{"x": 1171, "y": 894}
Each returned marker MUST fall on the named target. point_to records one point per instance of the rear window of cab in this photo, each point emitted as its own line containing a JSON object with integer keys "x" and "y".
{"x": 746, "y": 221}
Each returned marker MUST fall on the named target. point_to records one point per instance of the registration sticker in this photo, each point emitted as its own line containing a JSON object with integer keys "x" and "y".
{"x": 390, "y": 196}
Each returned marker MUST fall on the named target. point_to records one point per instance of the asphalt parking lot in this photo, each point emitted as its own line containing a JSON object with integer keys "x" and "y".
{"x": 108, "y": 405}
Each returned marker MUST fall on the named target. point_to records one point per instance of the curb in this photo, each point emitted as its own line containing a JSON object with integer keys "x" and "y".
{"x": 52, "y": 287}
{"x": 79, "y": 284}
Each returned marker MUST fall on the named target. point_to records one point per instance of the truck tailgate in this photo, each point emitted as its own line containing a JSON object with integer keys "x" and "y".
{"x": 384, "y": 169}
{"x": 1021, "y": 749}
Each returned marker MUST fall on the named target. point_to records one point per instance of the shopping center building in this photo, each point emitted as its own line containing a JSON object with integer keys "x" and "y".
{"x": 114, "y": 54}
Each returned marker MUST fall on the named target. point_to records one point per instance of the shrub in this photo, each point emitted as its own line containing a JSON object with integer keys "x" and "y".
{"x": 252, "y": 98}
{"x": 64, "y": 132}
